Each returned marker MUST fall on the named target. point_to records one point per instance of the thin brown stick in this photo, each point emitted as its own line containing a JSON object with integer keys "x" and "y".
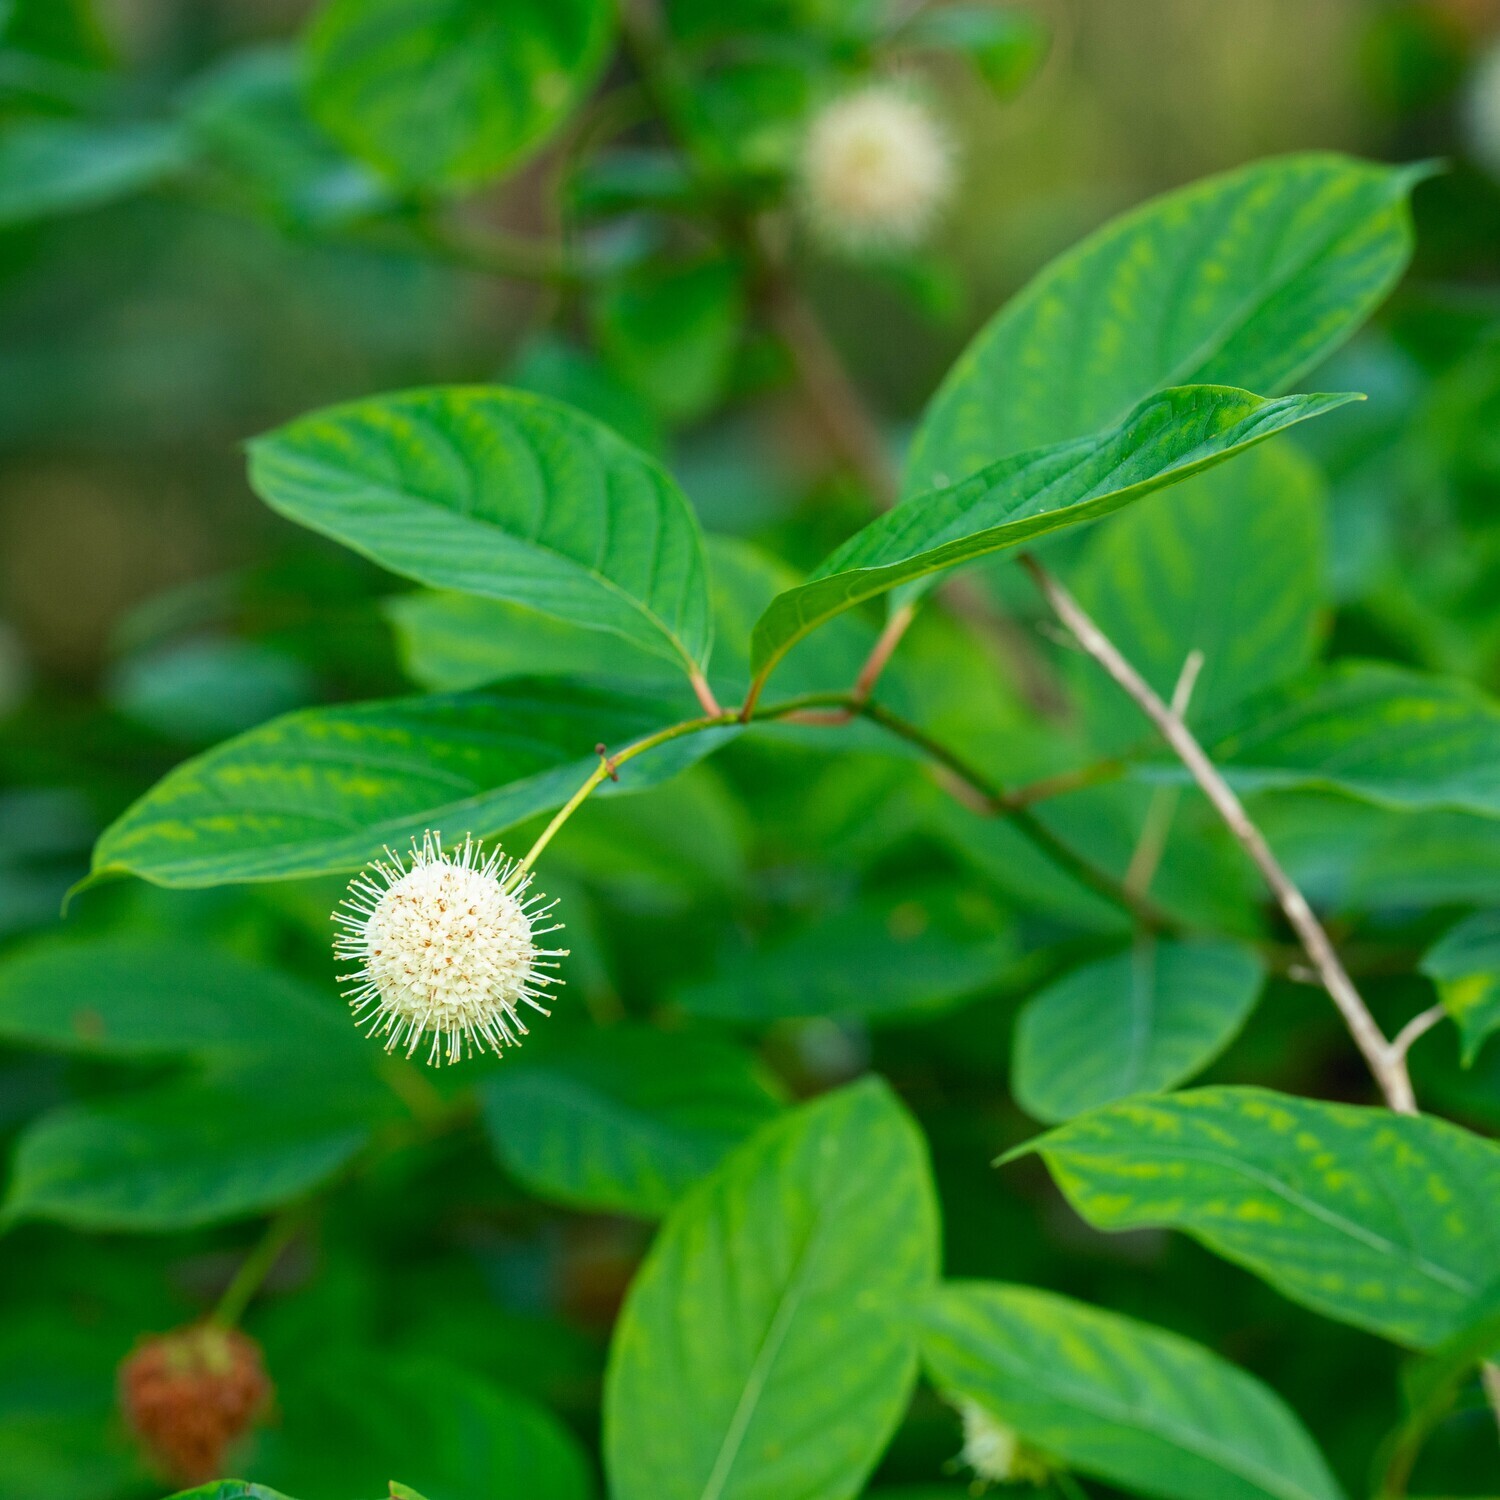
{"x": 1387, "y": 1066}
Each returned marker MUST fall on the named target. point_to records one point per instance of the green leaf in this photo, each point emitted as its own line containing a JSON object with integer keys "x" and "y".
{"x": 353, "y": 1416}
{"x": 670, "y": 332}
{"x": 762, "y": 1351}
{"x": 549, "y": 366}
{"x": 325, "y": 790}
{"x": 450, "y": 642}
{"x": 1138, "y": 1023}
{"x": 449, "y": 93}
{"x": 50, "y": 167}
{"x": 908, "y": 952}
{"x": 1385, "y": 1221}
{"x": 503, "y": 494}
{"x": 1005, "y": 45}
{"x": 624, "y": 1120}
{"x": 225, "y": 1146}
{"x": 1386, "y": 734}
{"x": 401, "y": 1491}
{"x": 1167, "y": 438}
{"x": 249, "y": 121}
{"x": 144, "y": 997}
{"x": 1118, "y": 1399}
{"x": 1465, "y": 967}
{"x": 1244, "y": 279}
{"x": 1231, "y": 564}
{"x": 230, "y": 1489}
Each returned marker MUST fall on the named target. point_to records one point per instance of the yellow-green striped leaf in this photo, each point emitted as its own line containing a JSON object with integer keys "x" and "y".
{"x": 1245, "y": 279}
{"x": 1465, "y": 966}
{"x": 1118, "y": 1399}
{"x": 507, "y": 495}
{"x": 1390, "y": 1222}
{"x": 1383, "y": 733}
{"x": 1135, "y": 1023}
{"x": 1165, "y": 439}
{"x": 764, "y": 1351}
{"x": 324, "y": 790}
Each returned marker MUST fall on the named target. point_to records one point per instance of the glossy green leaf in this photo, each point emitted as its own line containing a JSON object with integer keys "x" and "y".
{"x": 1231, "y": 564}
{"x": 1118, "y": 1399}
{"x": 624, "y": 1120}
{"x": 503, "y": 494}
{"x": 670, "y": 332}
{"x": 222, "y": 1147}
{"x": 1167, "y": 438}
{"x": 449, "y": 642}
{"x": 1244, "y": 279}
{"x": 449, "y": 93}
{"x": 904, "y": 953}
{"x": 1387, "y": 734}
{"x": 50, "y": 167}
{"x": 142, "y": 996}
{"x": 1389, "y": 1222}
{"x": 325, "y": 790}
{"x": 1137, "y": 1023}
{"x": 401, "y": 1491}
{"x": 1465, "y": 967}
{"x": 762, "y": 1353}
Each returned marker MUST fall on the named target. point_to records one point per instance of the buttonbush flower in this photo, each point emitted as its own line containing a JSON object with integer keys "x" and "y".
{"x": 446, "y": 945}
{"x": 994, "y": 1451}
{"x": 190, "y": 1395}
{"x": 876, "y": 170}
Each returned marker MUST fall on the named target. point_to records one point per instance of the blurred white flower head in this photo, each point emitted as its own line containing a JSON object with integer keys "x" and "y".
{"x": 446, "y": 946}
{"x": 876, "y": 170}
{"x": 994, "y": 1451}
{"x": 1481, "y": 111}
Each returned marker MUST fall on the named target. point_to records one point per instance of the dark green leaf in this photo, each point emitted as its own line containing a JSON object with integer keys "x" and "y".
{"x": 1131, "y": 1404}
{"x": 355, "y": 1416}
{"x": 670, "y": 332}
{"x": 1465, "y": 966}
{"x": 1231, "y": 564}
{"x": 623, "y": 1120}
{"x": 1169, "y": 437}
{"x": 1138, "y": 1023}
{"x": 1383, "y": 733}
{"x": 449, "y": 93}
{"x": 1245, "y": 279}
{"x": 248, "y": 119}
{"x": 143, "y": 996}
{"x": 222, "y": 1147}
{"x": 907, "y": 953}
{"x": 549, "y": 366}
{"x": 325, "y": 790}
{"x": 762, "y": 1350}
{"x": 1389, "y": 1222}
{"x": 52, "y": 167}
{"x": 503, "y": 494}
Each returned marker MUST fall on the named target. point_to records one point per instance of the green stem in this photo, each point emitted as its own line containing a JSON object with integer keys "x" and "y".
{"x": 257, "y": 1265}
{"x": 991, "y": 797}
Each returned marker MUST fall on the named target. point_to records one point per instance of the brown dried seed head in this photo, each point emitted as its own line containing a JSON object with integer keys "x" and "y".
{"x": 191, "y": 1394}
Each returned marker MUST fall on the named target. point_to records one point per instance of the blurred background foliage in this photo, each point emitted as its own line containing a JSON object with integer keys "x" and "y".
{"x": 150, "y": 606}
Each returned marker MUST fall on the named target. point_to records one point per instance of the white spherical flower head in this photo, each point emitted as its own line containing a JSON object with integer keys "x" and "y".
{"x": 876, "y": 170}
{"x": 446, "y": 945}
{"x": 1481, "y": 111}
{"x": 994, "y": 1451}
